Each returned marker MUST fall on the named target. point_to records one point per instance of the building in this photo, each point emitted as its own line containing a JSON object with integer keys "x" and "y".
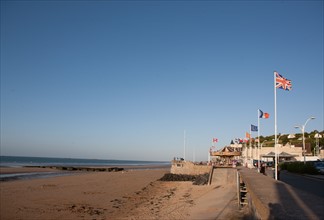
{"x": 227, "y": 156}
{"x": 286, "y": 152}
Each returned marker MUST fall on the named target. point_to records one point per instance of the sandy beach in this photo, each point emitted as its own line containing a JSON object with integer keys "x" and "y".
{"x": 130, "y": 194}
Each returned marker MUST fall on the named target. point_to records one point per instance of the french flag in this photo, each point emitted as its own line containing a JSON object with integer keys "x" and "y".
{"x": 263, "y": 114}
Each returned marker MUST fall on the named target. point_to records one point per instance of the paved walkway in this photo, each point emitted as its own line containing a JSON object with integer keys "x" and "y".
{"x": 221, "y": 202}
{"x": 270, "y": 172}
{"x": 277, "y": 200}
{"x": 269, "y": 199}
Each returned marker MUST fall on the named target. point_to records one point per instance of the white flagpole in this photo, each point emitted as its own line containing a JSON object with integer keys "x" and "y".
{"x": 258, "y": 141}
{"x": 275, "y": 118}
{"x": 210, "y": 150}
{"x": 194, "y": 155}
{"x": 184, "y": 145}
{"x": 251, "y": 156}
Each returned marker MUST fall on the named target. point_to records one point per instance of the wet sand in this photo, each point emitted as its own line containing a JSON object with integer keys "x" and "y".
{"x": 12, "y": 170}
{"x": 130, "y": 194}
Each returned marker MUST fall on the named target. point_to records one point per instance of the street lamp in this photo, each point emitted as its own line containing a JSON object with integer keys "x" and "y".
{"x": 260, "y": 155}
{"x": 317, "y": 137}
{"x": 302, "y": 128}
{"x": 276, "y": 145}
{"x": 263, "y": 143}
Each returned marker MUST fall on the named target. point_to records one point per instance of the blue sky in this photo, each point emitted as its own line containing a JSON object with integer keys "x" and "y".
{"x": 124, "y": 79}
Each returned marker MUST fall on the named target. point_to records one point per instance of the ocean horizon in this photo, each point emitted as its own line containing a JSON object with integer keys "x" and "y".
{"x": 21, "y": 161}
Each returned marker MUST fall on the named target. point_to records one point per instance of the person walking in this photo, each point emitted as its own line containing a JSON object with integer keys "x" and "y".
{"x": 262, "y": 170}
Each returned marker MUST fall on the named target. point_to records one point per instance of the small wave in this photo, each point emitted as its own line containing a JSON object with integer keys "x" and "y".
{"x": 23, "y": 176}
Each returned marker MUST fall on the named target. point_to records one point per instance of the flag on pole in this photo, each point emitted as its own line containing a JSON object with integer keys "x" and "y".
{"x": 282, "y": 83}
{"x": 215, "y": 140}
{"x": 254, "y": 128}
{"x": 247, "y": 135}
{"x": 238, "y": 140}
{"x": 263, "y": 114}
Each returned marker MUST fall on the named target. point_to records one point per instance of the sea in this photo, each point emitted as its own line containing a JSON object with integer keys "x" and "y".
{"x": 18, "y": 161}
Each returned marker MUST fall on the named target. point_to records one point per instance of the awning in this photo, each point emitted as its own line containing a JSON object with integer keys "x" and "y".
{"x": 227, "y": 154}
{"x": 282, "y": 155}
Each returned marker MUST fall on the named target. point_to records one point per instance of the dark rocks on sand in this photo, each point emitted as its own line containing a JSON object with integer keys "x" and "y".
{"x": 196, "y": 179}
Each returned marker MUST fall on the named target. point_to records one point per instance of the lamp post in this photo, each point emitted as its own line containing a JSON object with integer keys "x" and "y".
{"x": 302, "y": 128}
{"x": 317, "y": 137}
{"x": 276, "y": 148}
{"x": 259, "y": 156}
{"x": 263, "y": 143}
{"x": 278, "y": 157}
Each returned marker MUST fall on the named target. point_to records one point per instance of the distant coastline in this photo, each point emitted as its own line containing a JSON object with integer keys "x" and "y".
{"x": 20, "y": 161}
{"x": 16, "y": 168}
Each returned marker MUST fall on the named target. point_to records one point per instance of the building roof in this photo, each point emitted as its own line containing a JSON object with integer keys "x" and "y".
{"x": 282, "y": 154}
{"x": 227, "y": 151}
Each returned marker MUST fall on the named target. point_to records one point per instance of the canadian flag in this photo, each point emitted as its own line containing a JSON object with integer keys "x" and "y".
{"x": 215, "y": 140}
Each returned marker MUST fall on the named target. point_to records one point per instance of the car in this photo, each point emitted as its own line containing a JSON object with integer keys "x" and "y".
{"x": 319, "y": 165}
{"x": 255, "y": 163}
{"x": 270, "y": 163}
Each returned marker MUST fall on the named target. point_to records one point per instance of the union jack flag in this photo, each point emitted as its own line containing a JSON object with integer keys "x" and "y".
{"x": 282, "y": 83}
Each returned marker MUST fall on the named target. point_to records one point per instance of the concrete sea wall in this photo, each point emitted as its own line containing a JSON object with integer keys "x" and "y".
{"x": 189, "y": 168}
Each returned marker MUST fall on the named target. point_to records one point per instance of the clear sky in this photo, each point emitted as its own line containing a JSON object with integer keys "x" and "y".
{"x": 124, "y": 79}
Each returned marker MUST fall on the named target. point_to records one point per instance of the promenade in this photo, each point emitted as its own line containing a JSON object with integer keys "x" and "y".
{"x": 267, "y": 198}
{"x": 271, "y": 199}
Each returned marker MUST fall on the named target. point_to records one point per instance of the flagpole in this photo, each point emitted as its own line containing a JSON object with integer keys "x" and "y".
{"x": 275, "y": 121}
{"x": 210, "y": 150}
{"x": 250, "y": 146}
{"x": 258, "y": 140}
{"x": 184, "y": 145}
{"x": 194, "y": 155}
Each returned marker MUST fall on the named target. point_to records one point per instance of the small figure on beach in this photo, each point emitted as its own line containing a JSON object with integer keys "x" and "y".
{"x": 278, "y": 172}
{"x": 262, "y": 170}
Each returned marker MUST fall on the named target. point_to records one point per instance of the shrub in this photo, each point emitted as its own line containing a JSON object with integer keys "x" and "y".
{"x": 299, "y": 167}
